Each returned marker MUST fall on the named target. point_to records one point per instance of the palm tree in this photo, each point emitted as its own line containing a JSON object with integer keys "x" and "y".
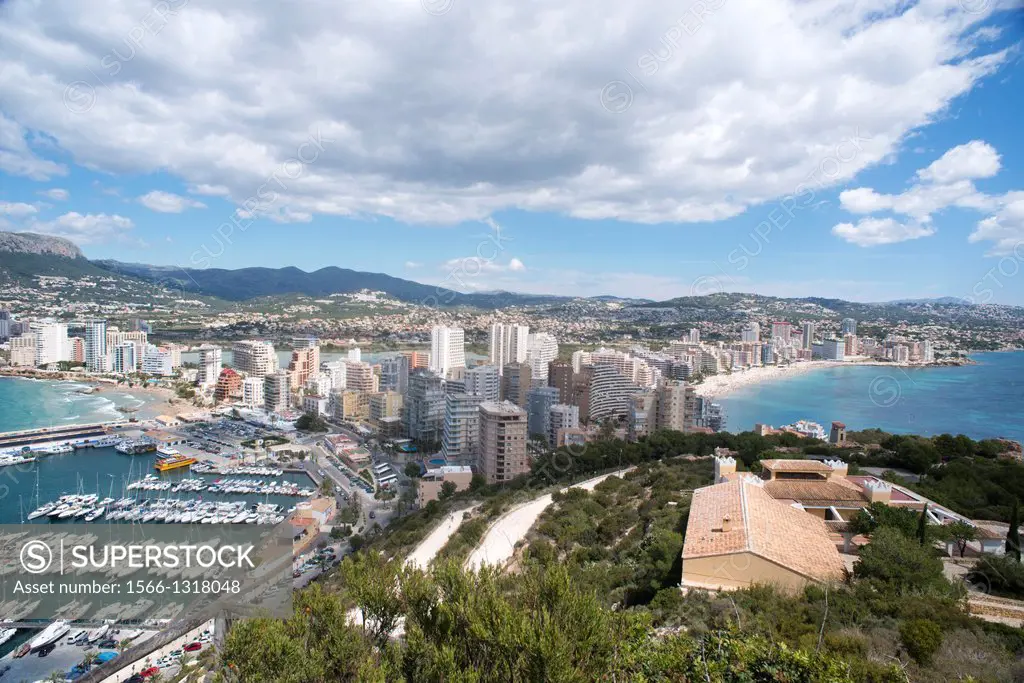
{"x": 89, "y": 659}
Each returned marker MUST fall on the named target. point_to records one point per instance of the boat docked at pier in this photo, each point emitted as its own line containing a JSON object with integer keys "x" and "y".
{"x": 175, "y": 462}
{"x": 50, "y": 634}
{"x": 6, "y": 634}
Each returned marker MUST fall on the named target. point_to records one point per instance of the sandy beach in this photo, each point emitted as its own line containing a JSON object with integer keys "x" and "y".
{"x": 718, "y": 386}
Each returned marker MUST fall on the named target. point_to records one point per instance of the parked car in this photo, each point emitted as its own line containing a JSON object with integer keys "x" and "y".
{"x": 194, "y": 647}
{"x": 150, "y": 672}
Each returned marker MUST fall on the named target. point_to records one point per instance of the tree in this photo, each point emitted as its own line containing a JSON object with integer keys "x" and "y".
{"x": 412, "y": 470}
{"x": 895, "y": 559}
{"x": 448, "y": 489}
{"x": 89, "y": 659}
{"x": 311, "y": 422}
{"x": 922, "y": 526}
{"x": 961, "y": 533}
{"x": 1013, "y": 535}
{"x": 327, "y": 487}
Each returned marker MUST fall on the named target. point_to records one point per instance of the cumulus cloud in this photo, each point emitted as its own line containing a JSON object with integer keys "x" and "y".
{"x": 383, "y": 109}
{"x": 1005, "y": 229}
{"x": 976, "y": 159}
{"x": 16, "y": 157}
{"x": 86, "y": 228}
{"x": 16, "y": 209}
{"x": 56, "y": 194}
{"x": 412, "y": 265}
{"x": 946, "y": 182}
{"x": 870, "y": 232}
{"x": 167, "y": 202}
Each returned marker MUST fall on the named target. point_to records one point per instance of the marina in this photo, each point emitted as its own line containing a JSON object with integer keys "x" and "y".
{"x": 63, "y": 487}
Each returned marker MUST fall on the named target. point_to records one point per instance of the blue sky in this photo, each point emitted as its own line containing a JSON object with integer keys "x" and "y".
{"x": 516, "y": 169}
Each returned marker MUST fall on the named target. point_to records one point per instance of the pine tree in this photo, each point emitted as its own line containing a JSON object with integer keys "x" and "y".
{"x": 1013, "y": 536}
{"x": 922, "y": 526}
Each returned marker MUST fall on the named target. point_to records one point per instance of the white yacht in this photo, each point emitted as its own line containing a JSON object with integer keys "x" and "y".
{"x": 50, "y": 634}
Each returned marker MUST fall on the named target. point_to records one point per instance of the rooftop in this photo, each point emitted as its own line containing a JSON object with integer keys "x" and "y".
{"x": 796, "y": 466}
{"x": 761, "y": 525}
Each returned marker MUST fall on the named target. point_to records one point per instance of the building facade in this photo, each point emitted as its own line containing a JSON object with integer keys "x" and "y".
{"x": 503, "y": 436}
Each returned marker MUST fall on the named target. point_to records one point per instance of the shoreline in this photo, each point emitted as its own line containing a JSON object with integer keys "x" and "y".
{"x": 721, "y": 386}
{"x": 149, "y": 401}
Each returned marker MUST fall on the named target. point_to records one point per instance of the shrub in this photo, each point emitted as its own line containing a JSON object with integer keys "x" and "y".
{"x": 922, "y": 638}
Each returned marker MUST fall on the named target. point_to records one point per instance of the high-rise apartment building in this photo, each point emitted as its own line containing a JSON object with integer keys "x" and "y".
{"x": 360, "y": 377}
{"x": 515, "y": 382}
{"x": 157, "y": 361}
{"x": 229, "y": 386}
{"x": 126, "y": 357}
{"x": 337, "y": 370}
{"x": 424, "y": 407}
{"x": 5, "y": 325}
{"x": 461, "y": 437}
{"x": 394, "y": 374}
{"x": 76, "y": 346}
{"x": 276, "y": 390}
{"x": 51, "y": 342}
{"x": 255, "y": 358}
{"x": 418, "y": 360}
{"x": 560, "y": 376}
{"x": 210, "y": 363}
{"x": 751, "y": 333}
{"x": 851, "y": 346}
{"x": 503, "y": 436}
{"x": 676, "y": 406}
{"x": 508, "y": 344}
{"x": 252, "y": 392}
{"x": 609, "y": 393}
{"x": 383, "y": 405}
{"x": 355, "y": 355}
{"x": 23, "y": 351}
{"x": 483, "y": 381}
{"x": 95, "y": 346}
{"x": 808, "y": 335}
{"x": 447, "y": 349}
{"x": 781, "y": 331}
{"x": 641, "y": 414}
{"x": 849, "y": 326}
{"x": 305, "y": 362}
{"x": 562, "y": 417}
{"x": 542, "y": 349}
{"x": 538, "y": 408}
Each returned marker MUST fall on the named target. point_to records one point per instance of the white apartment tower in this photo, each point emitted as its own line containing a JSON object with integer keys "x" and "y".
{"x": 255, "y": 358}
{"x": 51, "y": 341}
{"x": 542, "y": 348}
{"x": 447, "y": 349}
{"x": 509, "y": 344}
{"x": 96, "y": 346}
{"x": 209, "y": 366}
{"x": 751, "y": 333}
{"x": 252, "y": 392}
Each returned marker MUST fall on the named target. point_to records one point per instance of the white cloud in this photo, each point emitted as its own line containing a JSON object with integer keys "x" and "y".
{"x": 976, "y": 159}
{"x": 16, "y": 209}
{"x": 16, "y": 157}
{"x": 166, "y": 202}
{"x": 86, "y": 228}
{"x": 870, "y": 232}
{"x": 470, "y": 267}
{"x": 500, "y": 104}
{"x": 209, "y": 190}
{"x": 946, "y": 183}
{"x": 412, "y": 265}
{"x": 1005, "y": 228}
{"x": 516, "y": 265}
{"x": 56, "y": 194}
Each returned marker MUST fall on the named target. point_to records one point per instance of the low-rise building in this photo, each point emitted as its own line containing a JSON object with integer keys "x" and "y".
{"x": 430, "y": 483}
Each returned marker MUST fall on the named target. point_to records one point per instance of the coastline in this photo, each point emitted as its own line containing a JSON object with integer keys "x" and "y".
{"x": 720, "y": 386}
{"x": 143, "y": 402}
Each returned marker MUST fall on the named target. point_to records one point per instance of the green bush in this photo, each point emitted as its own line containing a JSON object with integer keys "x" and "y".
{"x": 921, "y": 638}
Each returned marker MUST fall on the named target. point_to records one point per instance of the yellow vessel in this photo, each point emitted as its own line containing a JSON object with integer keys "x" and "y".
{"x": 174, "y": 463}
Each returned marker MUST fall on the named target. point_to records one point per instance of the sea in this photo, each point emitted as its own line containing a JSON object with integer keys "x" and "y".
{"x": 983, "y": 400}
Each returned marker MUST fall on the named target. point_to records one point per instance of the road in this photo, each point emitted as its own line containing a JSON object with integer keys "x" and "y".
{"x": 499, "y": 543}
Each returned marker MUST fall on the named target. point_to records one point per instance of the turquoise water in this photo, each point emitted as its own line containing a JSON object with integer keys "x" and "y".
{"x": 982, "y": 401}
{"x": 105, "y": 472}
{"x": 27, "y": 403}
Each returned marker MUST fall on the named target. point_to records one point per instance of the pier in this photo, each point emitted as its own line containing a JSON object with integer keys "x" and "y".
{"x": 46, "y": 435}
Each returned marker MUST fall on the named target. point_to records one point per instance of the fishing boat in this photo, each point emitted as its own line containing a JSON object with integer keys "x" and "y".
{"x": 50, "y": 634}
